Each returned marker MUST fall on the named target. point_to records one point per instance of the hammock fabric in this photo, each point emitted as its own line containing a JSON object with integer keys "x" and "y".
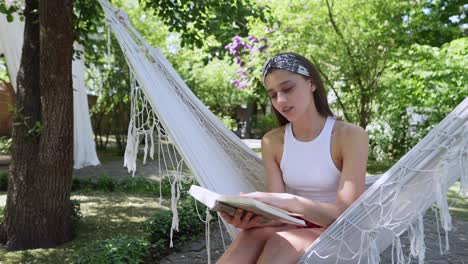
{"x": 165, "y": 111}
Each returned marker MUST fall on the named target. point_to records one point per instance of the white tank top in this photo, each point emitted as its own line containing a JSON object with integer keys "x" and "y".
{"x": 307, "y": 167}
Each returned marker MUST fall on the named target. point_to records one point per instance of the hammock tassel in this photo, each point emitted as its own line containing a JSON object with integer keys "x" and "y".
{"x": 398, "y": 251}
{"x": 416, "y": 235}
{"x": 442, "y": 204}
{"x": 463, "y": 159}
{"x": 207, "y": 234}
{"x": 368, "y": 240}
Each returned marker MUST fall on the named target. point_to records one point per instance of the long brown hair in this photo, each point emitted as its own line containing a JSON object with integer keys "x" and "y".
{"x": 320, "y": 95}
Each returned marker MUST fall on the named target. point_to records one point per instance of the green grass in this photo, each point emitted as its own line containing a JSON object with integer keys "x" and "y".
{"x": 458, "y": 203}
{"x": 378, "y": 167}
{"x": 105, "y": 215}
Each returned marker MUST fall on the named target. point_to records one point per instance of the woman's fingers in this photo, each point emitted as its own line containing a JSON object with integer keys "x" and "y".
{"x": 246, "y": 219}
{"x": 242, "y": 219}
{"x": 238, "y": 216}
{"x": 227, "y": 217}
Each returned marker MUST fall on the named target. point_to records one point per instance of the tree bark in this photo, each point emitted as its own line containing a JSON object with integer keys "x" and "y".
{"x": 38, "y": 200}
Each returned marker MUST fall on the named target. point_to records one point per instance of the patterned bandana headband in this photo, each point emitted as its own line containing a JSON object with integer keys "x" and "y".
{"x": 285, "y": 62}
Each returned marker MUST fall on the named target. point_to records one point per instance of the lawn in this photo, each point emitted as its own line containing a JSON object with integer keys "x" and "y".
{"x": 104, "y": 216}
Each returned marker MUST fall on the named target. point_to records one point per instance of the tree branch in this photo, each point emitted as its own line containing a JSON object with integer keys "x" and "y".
{"x": 338, "y": 98}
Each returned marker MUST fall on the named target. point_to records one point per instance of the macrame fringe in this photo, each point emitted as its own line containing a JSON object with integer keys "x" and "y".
{"x": 368, "y": 246}
{"x": 416, "y": 237}
{"x": 442, "y": 203}
{"x": 463, "y": 158}
{"x": 397, "y": 251}
{"x": 207, "y": 234}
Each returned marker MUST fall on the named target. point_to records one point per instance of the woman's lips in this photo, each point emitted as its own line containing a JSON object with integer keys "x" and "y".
{"x": 287, "y": 109}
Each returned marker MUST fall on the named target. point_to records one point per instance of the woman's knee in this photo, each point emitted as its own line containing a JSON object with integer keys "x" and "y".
{"x": 292, "y": 242}
{"x": 256, "y": 233}
{"x": 276, "y": 242}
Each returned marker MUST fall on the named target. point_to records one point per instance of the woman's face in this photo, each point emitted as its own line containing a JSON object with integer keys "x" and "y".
{"x": 290, "y": 93}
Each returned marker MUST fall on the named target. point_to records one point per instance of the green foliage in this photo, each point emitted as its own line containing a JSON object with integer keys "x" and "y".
{"x": 211, "y": 19}
{"x": 211, "y": 83}
{"x": 2, "y": 213}
{"x": 120, "y": 249}
{"x": 159, "y": 226}
{"x": 9, "y": 10}
{"x": 75, "y": 215}
{"x": 423, "y": 84}
{"x": 3, "y": 71}
{"x": 105, "y": 183}
{"x": 34, "y": 129}
{"x": 88, "y": 23}
{"x": 137, "y": 184}
{"x": 108, "y": 77}
{"x": 435, "y": 22}
{"x": 5, "y": 145}
{"x": 265, "y": 123}
{"x": 229, "y": 122}
{"x": 3, "y": 181}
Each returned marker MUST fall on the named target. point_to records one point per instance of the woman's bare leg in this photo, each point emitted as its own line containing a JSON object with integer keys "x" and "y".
{"x": 248, "y": 244}
{"x": 288, "y": 246}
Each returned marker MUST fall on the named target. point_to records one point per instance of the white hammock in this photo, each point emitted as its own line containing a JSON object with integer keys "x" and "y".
{"x": 165, "y": 106}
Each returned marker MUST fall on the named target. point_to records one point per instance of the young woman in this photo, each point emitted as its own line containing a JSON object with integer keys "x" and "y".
{"x": 315, "y": 166}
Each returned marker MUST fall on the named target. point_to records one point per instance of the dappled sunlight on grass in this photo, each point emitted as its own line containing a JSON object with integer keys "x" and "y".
{"x": 105, "y": 215}
{"x": 458, "y": 203}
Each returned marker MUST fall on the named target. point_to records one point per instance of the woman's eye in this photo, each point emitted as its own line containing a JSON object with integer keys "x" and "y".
{"x": 287, "y": 90}
{"x": 273, "y": 96}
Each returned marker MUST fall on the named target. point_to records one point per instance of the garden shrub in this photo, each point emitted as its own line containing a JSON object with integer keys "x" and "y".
{"x": 2, "y": 214}
{"x": 105, "y": 183}
{"x": 138, "y": 184}
{"x": 119, "y": 249}
{"x": 159, "y": 228}
{"x": 83, "y": 183}
{"x": 264, "y": 124}
{"x": 5, "y": 145}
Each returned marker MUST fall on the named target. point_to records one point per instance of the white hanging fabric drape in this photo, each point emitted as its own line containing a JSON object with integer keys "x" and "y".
{"x": 84, "y": 150}
{"x": 11, "y": 42}
{"x": 164, "y": 107}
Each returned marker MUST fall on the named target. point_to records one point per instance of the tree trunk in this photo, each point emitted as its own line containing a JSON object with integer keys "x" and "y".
{"x": 364, "y": 109}
{"x": 251, "y": 111}
{"x": 38, "y": 201}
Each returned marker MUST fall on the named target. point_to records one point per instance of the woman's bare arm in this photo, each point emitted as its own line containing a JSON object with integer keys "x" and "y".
{"x": 271, "y": 145}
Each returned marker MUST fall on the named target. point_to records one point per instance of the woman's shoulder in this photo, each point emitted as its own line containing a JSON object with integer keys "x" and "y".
{"x": 273, "y": 138}
{"x": 345, "y": 128}
{"x": 347, "y": 132}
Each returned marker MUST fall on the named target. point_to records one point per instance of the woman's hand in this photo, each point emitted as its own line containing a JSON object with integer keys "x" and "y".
{"x": 283, "y": 201}
{"x": 243, "y": 219}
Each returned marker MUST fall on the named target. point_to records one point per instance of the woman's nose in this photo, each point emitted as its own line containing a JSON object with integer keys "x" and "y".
{"x": 282, "y": 97}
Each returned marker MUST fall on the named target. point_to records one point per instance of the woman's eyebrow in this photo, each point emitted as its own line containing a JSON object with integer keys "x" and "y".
{"x": 283, "y": 82}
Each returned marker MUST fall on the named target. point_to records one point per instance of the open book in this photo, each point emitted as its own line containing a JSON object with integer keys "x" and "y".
{"x": 229, "y": 203}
